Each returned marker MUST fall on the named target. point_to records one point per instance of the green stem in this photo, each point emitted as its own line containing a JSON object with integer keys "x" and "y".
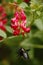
{"x": 34, "y": 46}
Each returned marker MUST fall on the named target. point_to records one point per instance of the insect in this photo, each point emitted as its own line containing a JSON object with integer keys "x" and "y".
{"x": 23, "y": 53}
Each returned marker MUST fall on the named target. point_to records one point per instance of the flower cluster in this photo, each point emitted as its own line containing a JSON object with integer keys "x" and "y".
{"x": 3, "y": 18}
{"x": 18, "y": 23}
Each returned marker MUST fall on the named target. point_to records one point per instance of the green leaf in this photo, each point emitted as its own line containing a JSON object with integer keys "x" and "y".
{"x": 23, "y": 5}
{"x": 33, "y": 42}
{"x": 9, "y": 0}
{"x": 39, "y": 24}
{"x": 38, "y": 13}
{"x": 39, "y": 34}
{"x": 3, "y": 34}
{"x": 9, "y": 29}
{"x": 16, "y": 40}
{"x": 19, "y": 1}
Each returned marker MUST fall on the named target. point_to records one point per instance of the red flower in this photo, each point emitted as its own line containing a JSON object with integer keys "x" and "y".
{"x": 18, "y": 23}
{"x": 3, "y": 19}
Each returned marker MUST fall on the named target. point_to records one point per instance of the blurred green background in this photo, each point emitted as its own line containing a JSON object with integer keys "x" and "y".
{"x": 34, "y": 40}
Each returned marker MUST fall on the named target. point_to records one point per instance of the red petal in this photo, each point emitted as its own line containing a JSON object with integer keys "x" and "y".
{"x": 3, "y": 28}
{"x": 27, "y": 30}
{"x": 4, "y": 21}
{"x": 4, "y": 15}
{"x": 16, "y": 32}
{"x": 13, "y": 20}
{"x": 23, "y": 16}
{"x": 23, "y": 23}
{"x": 1, "y": 9}
{"x": 17, "y": 15}
{"x": 14, "y": 26}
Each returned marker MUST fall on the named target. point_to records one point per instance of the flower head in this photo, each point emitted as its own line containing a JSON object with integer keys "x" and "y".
{"x": 18, "y": 23}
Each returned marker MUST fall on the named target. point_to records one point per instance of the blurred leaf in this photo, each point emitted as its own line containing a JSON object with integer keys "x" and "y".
{"x": 23, "y": 5}
{"x": 39, "y": 34}
{"x": 9, "y": 0}
{"x": 19, "y": 1}
{"x": 39, "y": 24}
{"x": 16, "y": 40}
{"x": 38, "y": 53}
{"x": 9, "y": 29}
{"x": 32, "y": 42}
{"x": 3, "y": 34}
{"x": 38, "y": 13}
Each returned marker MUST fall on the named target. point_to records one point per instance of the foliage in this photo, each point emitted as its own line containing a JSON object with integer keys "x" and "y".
{"x": 32, "y": 40}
